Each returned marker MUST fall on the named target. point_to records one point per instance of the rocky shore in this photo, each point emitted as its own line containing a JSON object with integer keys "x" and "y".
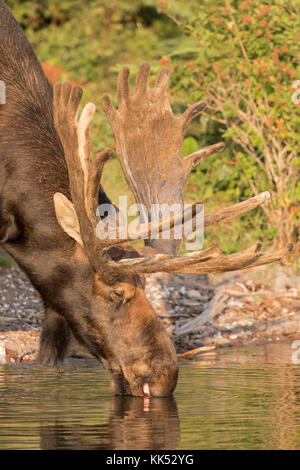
{"x": 240, "y": 308}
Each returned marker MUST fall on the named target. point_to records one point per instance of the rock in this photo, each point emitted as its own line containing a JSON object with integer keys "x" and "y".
{"x": 194, "y": 294}
{"x": 208, "y": 341}
{"x": 12, "y": 354}
{"x": 261, "y": 327}
{"x": 221, "y": 341}
{"x": 189, "y": 302}
{"x": 235, "y": 303}
{"x": 281, "y": 281}
{"x": 290, "y": 327}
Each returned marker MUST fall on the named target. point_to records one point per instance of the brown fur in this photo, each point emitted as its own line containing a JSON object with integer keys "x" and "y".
{"x": 89, "y": 296}
{"x": 32, "y": 169}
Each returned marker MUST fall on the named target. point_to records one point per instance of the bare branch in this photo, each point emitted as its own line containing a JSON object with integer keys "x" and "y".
{"x": 214, "y": 307}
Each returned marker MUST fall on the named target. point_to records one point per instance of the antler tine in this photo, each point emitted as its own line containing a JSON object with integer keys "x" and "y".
{"x": 169, "y": 263}
{"x": 162, "y": 80}
{"x": 227, "y": 213}
{"x": 242, "y": 260}
{"x": 142, "y": 79}
{"x": 94, "y": 181}
{"x": 235, "y": 210}
{"x": 164, "y": 263}
{"x": 151, "y": 229}
{"x": 193, "y": 159}
{"x": 203, "y": 262}
{"x": 191, "y": 113}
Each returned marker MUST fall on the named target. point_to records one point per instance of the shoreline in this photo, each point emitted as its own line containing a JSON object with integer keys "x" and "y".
{"x": 236, "y": 309}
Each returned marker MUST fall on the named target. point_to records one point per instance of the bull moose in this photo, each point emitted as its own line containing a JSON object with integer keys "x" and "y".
{"x": 93, "y": 288}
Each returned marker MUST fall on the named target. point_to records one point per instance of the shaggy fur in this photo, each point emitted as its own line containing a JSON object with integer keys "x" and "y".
{"x": 128, "y": 338}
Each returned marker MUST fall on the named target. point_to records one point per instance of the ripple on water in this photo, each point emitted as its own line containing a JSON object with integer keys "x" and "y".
{"x": 248, "y": 399}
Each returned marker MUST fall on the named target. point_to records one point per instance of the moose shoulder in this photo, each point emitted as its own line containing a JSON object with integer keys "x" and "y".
{"x": 93, "y": 289}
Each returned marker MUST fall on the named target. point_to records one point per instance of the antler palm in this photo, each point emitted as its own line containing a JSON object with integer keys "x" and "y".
{"x": 149, "y": 138}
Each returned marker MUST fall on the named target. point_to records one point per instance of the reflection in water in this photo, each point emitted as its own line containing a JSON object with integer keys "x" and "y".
{"x": 130, "y": 426}
{"x": 248, "y": 399}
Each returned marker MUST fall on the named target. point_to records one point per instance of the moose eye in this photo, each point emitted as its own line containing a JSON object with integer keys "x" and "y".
{"x": 118, "y": 296}
{"x": 122, "y": 293}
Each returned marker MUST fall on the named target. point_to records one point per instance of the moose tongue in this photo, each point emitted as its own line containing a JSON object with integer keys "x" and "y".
{"x": 146, "y": 390}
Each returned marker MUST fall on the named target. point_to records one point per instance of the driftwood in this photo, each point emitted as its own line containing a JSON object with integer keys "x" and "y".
{"x": 193, "y": 352}
{"x": 214, "y": 306}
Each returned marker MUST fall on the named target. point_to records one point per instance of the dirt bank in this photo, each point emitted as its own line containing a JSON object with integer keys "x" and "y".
{"x": 237, "y": 309}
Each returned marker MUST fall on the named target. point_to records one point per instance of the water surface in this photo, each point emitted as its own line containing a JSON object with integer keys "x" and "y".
{"x": 249, "y": 398}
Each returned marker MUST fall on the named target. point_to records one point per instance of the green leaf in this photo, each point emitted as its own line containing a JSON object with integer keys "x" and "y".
{"x": 189, "y": 145}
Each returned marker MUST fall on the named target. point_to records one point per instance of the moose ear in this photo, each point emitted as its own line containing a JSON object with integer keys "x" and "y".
{"x": 67, "y": 217}
{"x": 9, "y": 230}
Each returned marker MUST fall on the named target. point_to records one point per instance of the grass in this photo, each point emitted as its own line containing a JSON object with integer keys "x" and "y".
{"x": 6, "y": 261}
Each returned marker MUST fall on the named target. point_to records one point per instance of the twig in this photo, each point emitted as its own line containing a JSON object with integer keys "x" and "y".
{"x": 26, "y": 354}
{"x": 173, "y": 18}
{"x": 197, "y": 351}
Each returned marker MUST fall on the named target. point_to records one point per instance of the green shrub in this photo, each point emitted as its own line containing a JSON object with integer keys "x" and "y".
{"x": 242, "y": 57}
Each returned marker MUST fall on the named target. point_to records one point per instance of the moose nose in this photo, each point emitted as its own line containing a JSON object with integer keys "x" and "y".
{"x": 146, "y": 390}
{"x": 155, "y": 391}
{"x": 161, "y": 391}
{"x": 162, "y": 387}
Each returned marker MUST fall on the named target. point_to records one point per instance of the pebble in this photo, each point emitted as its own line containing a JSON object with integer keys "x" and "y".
{"x": 194, "y": 294}
{"x": 20, "y": 305}
{"x": 176, "y": 299}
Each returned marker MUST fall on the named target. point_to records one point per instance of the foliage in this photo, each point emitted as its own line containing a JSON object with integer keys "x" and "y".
{"x": 240, "y": 56}
{"x": 5, "y": 261}
{"x": 88, "y": 42}
{"x": 243, "y": 61}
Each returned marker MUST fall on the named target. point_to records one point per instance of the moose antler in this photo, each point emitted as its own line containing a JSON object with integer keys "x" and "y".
{"x": 79, "y": 219}
{"x": 148, "y": 140}
{"x": 203, "y": 262}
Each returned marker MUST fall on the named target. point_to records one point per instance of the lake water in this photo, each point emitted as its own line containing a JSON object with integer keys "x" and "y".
{"x": 247, "y": 398}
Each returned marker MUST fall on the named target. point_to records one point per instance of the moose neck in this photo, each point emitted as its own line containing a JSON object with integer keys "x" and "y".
{"x": 32, "y": 169}
{"x": 32, "y": 165}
